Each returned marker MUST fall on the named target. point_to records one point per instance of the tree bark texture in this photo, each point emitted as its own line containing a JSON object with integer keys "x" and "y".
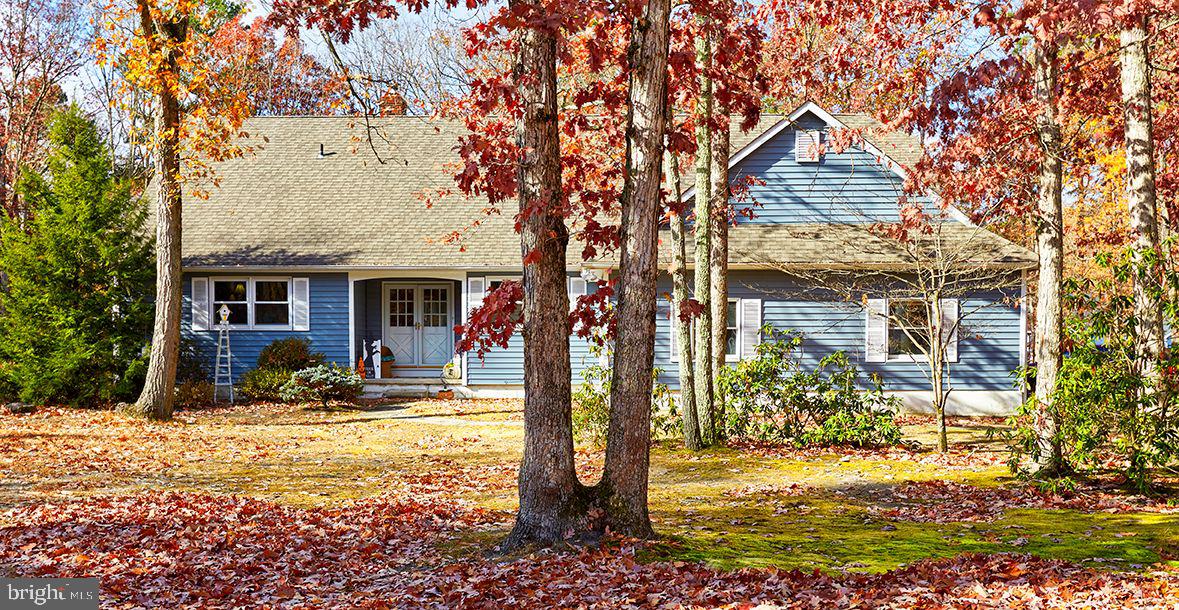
{"x": 628, "y": 440}
{"x": 702, "y": 354}
{"x": 1141, "y": 195}
{"x": 155, "y": 401}
{"x": 550, "y": 495}
{"x": 937, "y": 369}
{"x": 719, "y": 261}
{"x": 683, "y": 328}
{"x": 1050, "y": 248}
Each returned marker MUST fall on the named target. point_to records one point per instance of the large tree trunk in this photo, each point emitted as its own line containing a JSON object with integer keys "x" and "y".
{"x": 628, "y": 441}
{"x": 550, "y": 495}
{"x": 719, "y": 262}
{"x": 683, "y": 327}
{"x": 1140, "y": 196}
{"x": 155, "y": 401}
{"x": 703, "y": 225}
{"x": 1050, "y": 248}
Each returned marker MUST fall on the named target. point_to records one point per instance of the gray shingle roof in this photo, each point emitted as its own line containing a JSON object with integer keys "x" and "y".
{"x": 817, "y": 246}
{"x": 286, "y": 205}
{"x": 899, "y": 146}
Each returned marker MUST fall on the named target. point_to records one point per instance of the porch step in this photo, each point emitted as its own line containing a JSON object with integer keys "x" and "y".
{"x": 410, "y": 388}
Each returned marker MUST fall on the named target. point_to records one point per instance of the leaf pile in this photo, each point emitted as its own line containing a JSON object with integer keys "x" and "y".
{"x": 199, "y": 551}
{"x": 612, "y": 578}
{"x": 793, "y": 489}
{"x": 954, "y": 459}
{"x": 196, "y": 550}
{"x": 948, "y": 502}
{"x": 73, "y": 440}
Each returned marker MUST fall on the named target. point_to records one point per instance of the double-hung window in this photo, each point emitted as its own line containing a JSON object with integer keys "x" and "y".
{"x": 518, "y": 310}
{"x": 253, "y": 302}
{"x": 234, "y": 295}
{"x": 900, "y": 330}
{"x": 908, "y": 331}
{"x": 272, "y": 302}
{"x": 732, "y": 331}
{"x": 738, "y": 324}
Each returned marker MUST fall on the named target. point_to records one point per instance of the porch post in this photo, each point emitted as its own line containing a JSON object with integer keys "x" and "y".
{"x": 352, "y": 353}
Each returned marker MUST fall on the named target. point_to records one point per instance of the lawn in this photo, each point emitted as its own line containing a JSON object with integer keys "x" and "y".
{"x": 398, "y": 505}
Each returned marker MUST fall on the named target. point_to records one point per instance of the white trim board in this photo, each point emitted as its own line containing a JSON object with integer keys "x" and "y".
{"x": 967, "y": 403}
{"x": 452, "y": 272}
{"x": 352, "y": 353}
{"x": 962, "y": 402}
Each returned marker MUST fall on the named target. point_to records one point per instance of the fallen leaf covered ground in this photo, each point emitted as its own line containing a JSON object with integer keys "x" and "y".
{"x": 391, "y": 506}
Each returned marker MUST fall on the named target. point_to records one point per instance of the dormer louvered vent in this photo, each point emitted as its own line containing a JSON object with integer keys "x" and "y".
{"x": 806, "y": 146}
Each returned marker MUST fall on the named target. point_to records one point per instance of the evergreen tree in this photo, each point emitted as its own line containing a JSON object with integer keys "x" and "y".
{"x": 76, "y": 306}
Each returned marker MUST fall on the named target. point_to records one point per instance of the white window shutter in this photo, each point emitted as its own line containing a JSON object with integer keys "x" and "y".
{"x": 806, "y": 146}
{"x": 577, "y": 288}
{"x": 876, "y": 331}
{"x": 949, "y": 328}
{"x": 476, "y": 287}
{"x": 200, "y": 303}
{"x": 749, "y": 326}
{"x": 300, "y": 303}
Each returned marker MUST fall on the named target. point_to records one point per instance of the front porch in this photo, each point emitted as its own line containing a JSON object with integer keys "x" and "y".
{"x": 403, "y": 333}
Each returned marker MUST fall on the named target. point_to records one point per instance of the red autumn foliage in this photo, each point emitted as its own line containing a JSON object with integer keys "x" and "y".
{"x": 948, "y": 502}
{"x": 493, "y": 323}
{"x": 275, "y": 72}
{"x": 201, "y": 551}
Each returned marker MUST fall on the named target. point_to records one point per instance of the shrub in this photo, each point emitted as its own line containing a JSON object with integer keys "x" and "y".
{"x": 855, "y": 428}
{"x": 191, "y": 365}
{"x": 77, "y": 298}
{"x": 324, "y": 383}
{"x": 289, "y": 354}
{"x": 771, "y": 398}
{"x": 264, "y": 384}
{"x": 591, "y": 407}
{"x": 193, "y": 394}
{"x": 1107, "y": 412}
{"x": 8, "y": 388}
{"x": 131, "y": 381}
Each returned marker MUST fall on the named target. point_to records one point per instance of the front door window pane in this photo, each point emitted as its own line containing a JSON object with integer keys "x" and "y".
{"x": 401, "y": 307}
{"x": 434, "y": 304}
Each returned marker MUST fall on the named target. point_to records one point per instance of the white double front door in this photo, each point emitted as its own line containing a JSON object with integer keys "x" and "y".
{"x": 418, "y": 324}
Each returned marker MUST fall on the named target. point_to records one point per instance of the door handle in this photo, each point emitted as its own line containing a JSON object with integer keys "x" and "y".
{"x": 418, "y": 325}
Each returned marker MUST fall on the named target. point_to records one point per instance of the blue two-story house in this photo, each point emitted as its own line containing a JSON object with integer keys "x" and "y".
{"x": 320, "y": 233}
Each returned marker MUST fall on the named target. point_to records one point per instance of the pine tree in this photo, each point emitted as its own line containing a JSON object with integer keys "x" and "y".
{"x": 77, "y": 301}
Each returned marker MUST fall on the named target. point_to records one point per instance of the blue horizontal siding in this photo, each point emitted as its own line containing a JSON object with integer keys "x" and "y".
{"x": 988, "y": 342}
{"x": 505, "y": 366}
{"x": 851, "y": 186}
{"x": 328, "y": 308}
